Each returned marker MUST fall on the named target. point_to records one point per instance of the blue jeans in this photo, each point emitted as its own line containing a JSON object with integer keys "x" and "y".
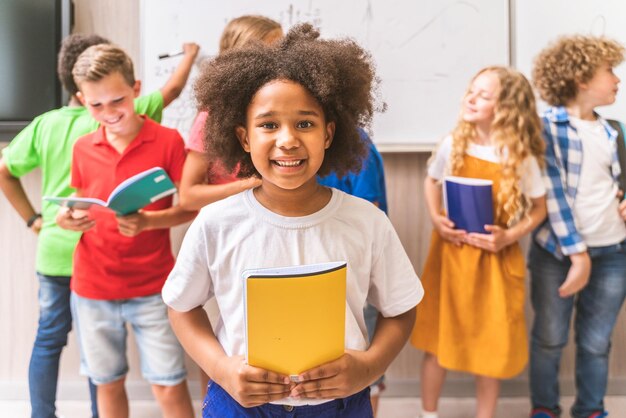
{"x": 219, "y": 404}
{"x": 55, "y": 322}
{"x": 597, "y": 307}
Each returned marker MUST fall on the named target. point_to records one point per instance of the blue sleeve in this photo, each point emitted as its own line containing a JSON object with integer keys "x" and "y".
{"x": 369, "y": 183}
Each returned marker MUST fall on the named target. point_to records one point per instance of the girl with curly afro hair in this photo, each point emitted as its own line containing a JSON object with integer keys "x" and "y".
{"x": 577, "y": 259}
{"x": 473, "y": 320}
{"x": 286, "y": 113}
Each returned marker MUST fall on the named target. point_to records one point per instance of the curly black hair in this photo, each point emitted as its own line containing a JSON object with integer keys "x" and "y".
{"x": 71, "y": 47}
{"x": 339, "y": 74}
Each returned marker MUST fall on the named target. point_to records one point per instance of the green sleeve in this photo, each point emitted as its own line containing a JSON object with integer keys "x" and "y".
{"x": 150, "y": 105}
{"x": 22, "y": 156}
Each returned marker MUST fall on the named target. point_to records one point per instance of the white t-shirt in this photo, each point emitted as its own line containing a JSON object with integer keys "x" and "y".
{"x": 596, "y": 210}
{"x": 238, "y": 233}
{"x": 531, "y": 181}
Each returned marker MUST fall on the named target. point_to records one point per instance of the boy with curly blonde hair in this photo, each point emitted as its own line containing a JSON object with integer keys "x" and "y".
{"x": 578, "y": 257}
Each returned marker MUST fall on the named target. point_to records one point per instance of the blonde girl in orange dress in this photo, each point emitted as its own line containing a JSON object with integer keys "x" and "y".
{"x": 472, "y": 317}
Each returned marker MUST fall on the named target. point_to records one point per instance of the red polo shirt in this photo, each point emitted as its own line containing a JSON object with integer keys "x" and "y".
{"x": 108, "y": 265}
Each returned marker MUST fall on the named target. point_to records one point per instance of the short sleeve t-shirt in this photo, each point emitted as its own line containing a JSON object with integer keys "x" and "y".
{"x": 596, "y": 210}
{"x": 108, "y": 265}
{"x": 238, "y": 233}
{"x": 216, "y": 174}
{"x": 47, "y": 143}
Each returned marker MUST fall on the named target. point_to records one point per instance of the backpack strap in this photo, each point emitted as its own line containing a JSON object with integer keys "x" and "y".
{"x": 621, "y": 150}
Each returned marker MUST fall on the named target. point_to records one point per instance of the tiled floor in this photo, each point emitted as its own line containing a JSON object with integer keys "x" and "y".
{"x": 389, "y": 408}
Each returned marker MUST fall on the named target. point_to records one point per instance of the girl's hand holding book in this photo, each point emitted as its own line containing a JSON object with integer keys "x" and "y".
{"x": 494, "y": 242}
{"x": 445, "y": 228}
{"x": 251, "y": 386}
{"x": 336, "y": 379}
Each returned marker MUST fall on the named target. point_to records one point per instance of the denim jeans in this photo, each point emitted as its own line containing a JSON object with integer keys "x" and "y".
{"x": 597, "y": 307}
{"x": 219, "y": 404}
{"x": 55, "y": 322}
{"x": 101, "y": 326}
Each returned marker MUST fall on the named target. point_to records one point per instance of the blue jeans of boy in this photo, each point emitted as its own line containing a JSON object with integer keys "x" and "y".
{"x": 55, "y": 322}
{"x": 219, "y": 404}
{"x": 597, "y": 307}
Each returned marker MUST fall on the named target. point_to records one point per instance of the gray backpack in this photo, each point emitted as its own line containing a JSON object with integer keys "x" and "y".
{"x": 621, "y": 151}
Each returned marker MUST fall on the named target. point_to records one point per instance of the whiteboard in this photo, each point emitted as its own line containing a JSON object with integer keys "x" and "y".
{"x": 538, "y": 22}
{"x": 425, "y": 51}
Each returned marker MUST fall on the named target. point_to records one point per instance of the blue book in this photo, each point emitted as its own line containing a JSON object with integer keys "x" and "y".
{"x": 129, "y": 196}
{"x": 468, "y": 203}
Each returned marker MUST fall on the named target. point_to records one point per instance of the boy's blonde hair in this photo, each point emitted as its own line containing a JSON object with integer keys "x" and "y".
{"x": 99, "y": 61}
{"x": 570, "y": 60}
{"x": 516, "y": 133}
{"x": 244, "y": 29}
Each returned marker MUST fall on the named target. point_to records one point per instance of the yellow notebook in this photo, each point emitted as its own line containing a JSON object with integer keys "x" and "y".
{"x": 295, "y": 316}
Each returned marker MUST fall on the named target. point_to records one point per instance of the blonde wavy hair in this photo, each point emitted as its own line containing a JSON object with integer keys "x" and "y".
{"x": 569, "y": 61}
{"x": 516, "y": 133}
{"x": 248, "y": 28}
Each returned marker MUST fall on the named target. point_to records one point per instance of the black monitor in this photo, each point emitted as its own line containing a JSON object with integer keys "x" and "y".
{"x": 30, "y": 35}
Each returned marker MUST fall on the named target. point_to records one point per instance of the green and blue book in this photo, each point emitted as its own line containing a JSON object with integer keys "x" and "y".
{"x": 129, "y": 196}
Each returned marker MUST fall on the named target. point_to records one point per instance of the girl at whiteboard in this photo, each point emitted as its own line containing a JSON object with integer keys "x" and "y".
{"x": 287, "y": 113}
{"x": 204, "y": 179}
{"x": 472, "y": 319}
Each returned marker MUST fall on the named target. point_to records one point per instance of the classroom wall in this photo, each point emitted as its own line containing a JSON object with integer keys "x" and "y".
{"x": 118, "y": 20}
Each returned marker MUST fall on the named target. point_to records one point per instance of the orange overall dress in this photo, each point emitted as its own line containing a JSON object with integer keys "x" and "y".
{"x": 472, "y": 315}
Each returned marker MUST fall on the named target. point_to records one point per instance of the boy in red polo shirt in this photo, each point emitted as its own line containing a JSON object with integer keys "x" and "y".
{"x": 121, "y": 263}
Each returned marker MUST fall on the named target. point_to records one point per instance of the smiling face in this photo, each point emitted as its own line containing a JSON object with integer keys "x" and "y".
{"x": 110, "y": 101}
{"x": 481, "y": 99}
{"x": 286, "y": 134}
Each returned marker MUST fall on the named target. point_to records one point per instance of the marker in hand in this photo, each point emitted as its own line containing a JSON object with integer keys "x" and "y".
{"x": 171, "y": 54}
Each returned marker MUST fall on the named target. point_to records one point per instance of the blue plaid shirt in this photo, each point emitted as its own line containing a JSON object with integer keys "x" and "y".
{"x": 564, "y": 156}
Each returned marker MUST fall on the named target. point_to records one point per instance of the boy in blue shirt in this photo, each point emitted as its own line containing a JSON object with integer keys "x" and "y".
{"x": 368, "y": 184}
